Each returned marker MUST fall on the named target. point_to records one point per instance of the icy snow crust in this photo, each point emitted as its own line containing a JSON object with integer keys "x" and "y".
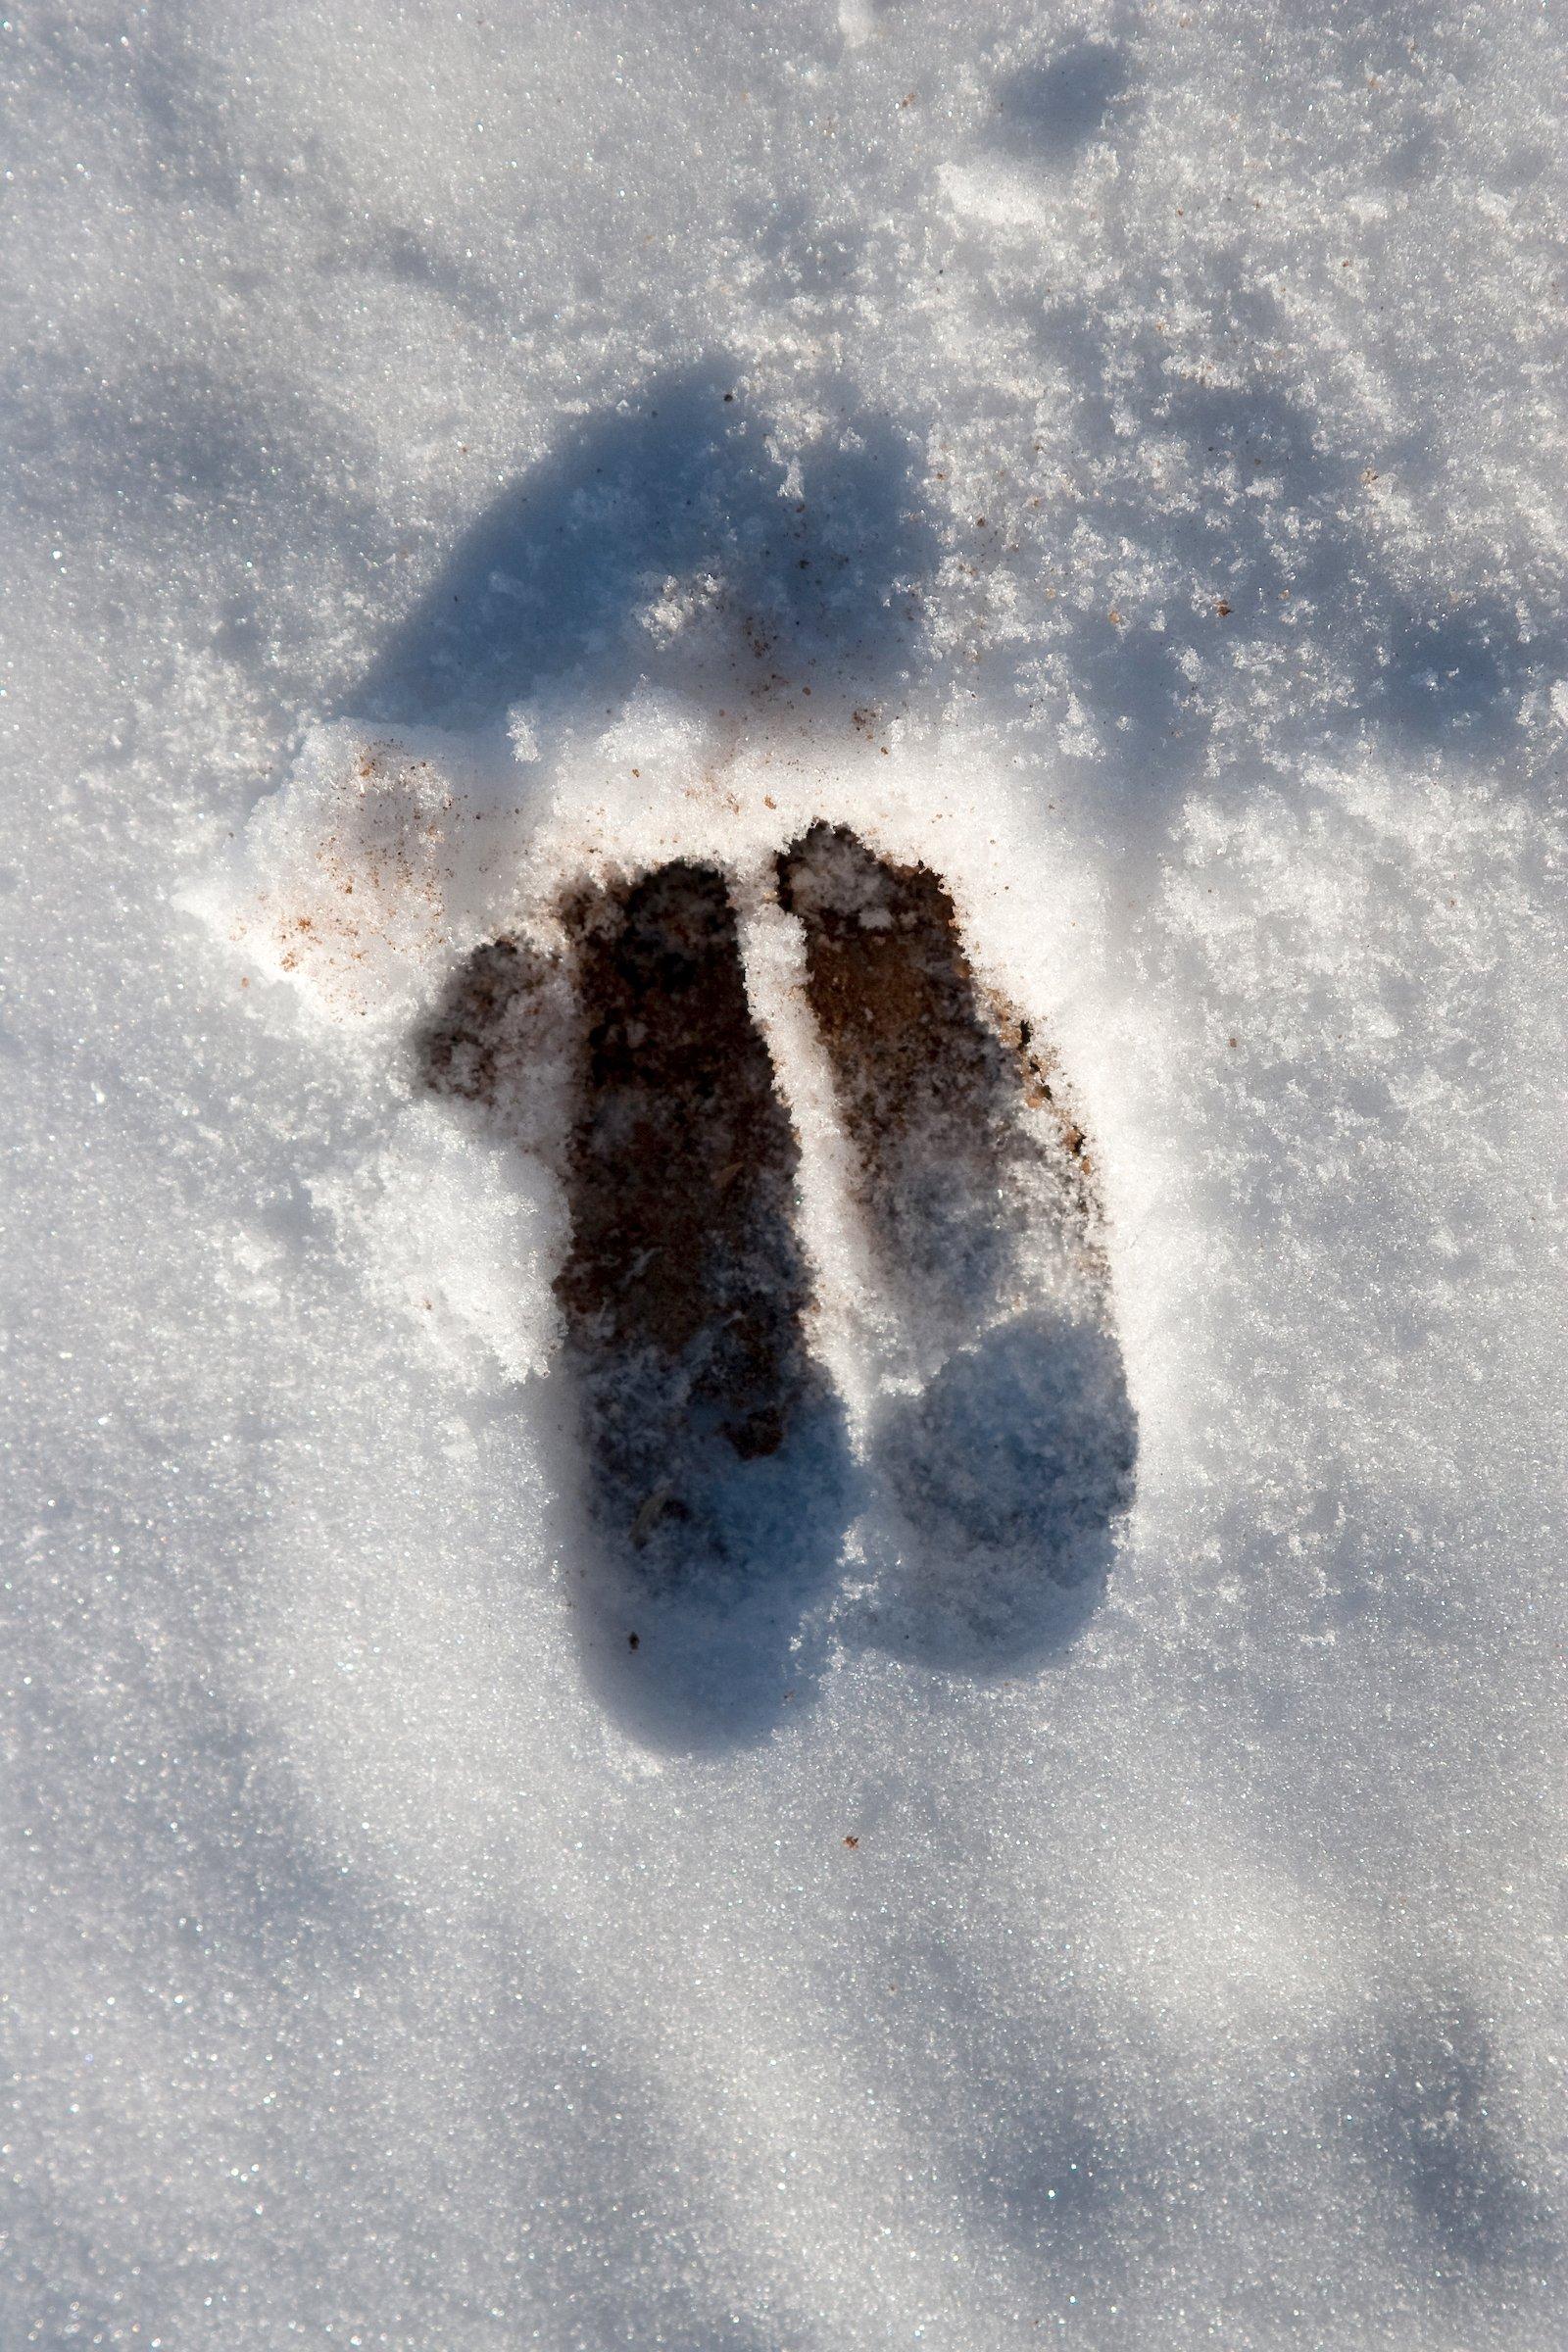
{"x": 1110, "y": 464}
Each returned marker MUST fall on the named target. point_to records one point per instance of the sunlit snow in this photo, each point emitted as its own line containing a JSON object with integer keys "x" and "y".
{"x": 783, "y": 1062}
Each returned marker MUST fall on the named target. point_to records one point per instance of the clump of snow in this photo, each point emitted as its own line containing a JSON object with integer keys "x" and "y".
{"x": 358, "y": 876}
{"x": 451, "y": 1232}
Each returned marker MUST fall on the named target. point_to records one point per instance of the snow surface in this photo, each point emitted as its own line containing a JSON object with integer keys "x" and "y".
{"x": 1141, "y": 429}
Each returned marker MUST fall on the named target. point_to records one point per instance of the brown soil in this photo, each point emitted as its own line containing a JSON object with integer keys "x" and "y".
{"x": 929, "y": 1078}
{"x": 684, "y": 1290}
{"x": 683, "y": 1161}
{"x": 465, "y": 1051}
{"x": 893, "y": 997}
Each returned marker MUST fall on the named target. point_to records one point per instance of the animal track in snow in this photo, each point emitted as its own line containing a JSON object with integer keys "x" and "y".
{"x": 1007, "y": 1460}
{"x": 925, "y": 1083}
{"x": 994, "y": 1446}
{"x": 717, "y": 1470}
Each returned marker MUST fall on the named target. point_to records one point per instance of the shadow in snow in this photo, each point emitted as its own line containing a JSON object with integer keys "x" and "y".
{"x": 1436, "y": 2125}
{"x": 819, "y": 565}
{"x": 1051, "y": 111}
{"x": 1244, "y": 492}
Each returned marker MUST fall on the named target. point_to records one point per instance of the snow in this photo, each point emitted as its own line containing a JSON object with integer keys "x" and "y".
{"x": 1096, "y": 1878}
